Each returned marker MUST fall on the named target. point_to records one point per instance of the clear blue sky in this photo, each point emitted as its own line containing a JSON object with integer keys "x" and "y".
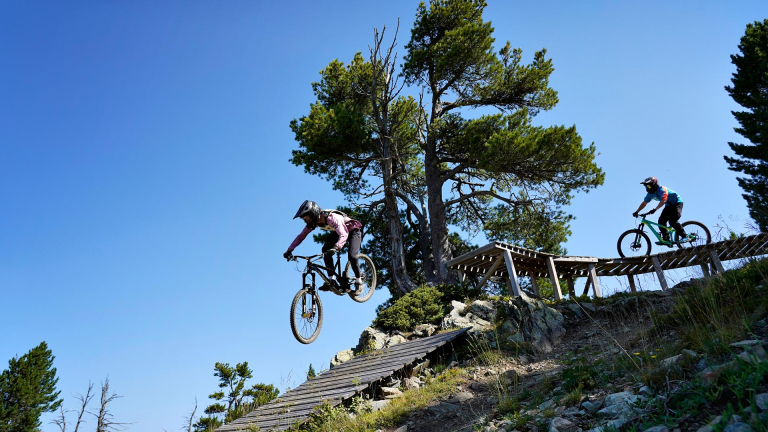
{"x": 146, "y": 195}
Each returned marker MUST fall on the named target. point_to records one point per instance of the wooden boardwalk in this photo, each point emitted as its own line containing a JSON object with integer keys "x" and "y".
{"x": 338, "y": 384}
{"x": 509, "y": 261}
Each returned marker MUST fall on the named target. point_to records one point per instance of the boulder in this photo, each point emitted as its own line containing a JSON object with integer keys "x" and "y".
{"x": 371, "y": 339}
{"x": 395, "y": 339}
{"x": 390, "y": 392}
{"x": 456, "y": 319}
{"x": 341, "y": 357}
{"x": 483, "y": 309}
{"x": 761, "y": 401}
{"x": 424, "y": 330}
{"x": 559, "y": 424}
{"x": 410, "y": 383}
{"x": 591, "y": 407}
{"x": 534, "y": 322}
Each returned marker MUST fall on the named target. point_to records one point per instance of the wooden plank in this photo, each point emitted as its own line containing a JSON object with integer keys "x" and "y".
{"x": 553, "y": 277}
{"x": 534, "y": 284}
{"x": 716, "y": 262}
{"x": 493, "y": 268}
{"x": 571, "y": 289}
{"x": 659, "y": 273}
{"x": 586, "y": 286}
{"x": 593, "y": 280}
{"x": 631, "y": 279}
{"x": 705, "y": 270}
{"x": 514, "y": 283}
{"x": 462, "y": 276}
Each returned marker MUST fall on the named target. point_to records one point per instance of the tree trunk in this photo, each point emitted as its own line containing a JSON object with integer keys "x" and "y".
{"x": 399, "y": 270}
{"x": 441, "y": 250}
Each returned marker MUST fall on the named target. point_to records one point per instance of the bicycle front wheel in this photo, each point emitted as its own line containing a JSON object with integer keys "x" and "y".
{"x": 698, "y": 234}
{"x": 633, "y": 243}
{"x": 306, "y": 316}
{"x": 367, "y": 273}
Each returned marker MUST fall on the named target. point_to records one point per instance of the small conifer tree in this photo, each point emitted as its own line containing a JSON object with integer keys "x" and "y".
{"x": 311, "y": 372}
{"x": 27, "y": 390}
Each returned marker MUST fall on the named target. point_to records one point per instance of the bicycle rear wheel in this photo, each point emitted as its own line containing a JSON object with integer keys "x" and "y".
{"x": 306, "y": 316}
{"x": 633, "y": 243}
{"x": 697, "y": 232}
{"x": 367, "y": 273}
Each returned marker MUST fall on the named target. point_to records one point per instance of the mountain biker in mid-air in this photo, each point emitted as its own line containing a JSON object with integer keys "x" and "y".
{"x": 342, "y": 228}
{"x": 673, "y": 208}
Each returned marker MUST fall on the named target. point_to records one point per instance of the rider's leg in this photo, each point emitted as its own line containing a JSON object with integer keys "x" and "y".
{"x": 665, "y": 216}
{"x": 674, "y": 220}
{"x": 354, "y": 248}
{"x": 328, "y": 259}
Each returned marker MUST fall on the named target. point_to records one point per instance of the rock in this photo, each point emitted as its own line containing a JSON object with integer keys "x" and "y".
{"x": 559, "y": 410}
{"x": 535, "y": 322}
{"x": 591, "y": 407}
{"x": 371, "y": 339}
{"x": 612, "y": 411}
{"x": 573, "y": 307}
{"x": 761, "y": 401}
{"x": 403, "y": 428}
{"x": 483, "y": 309}
{"x": 589, "y": 306}
{"x": 669, "y": 362}
{"x": 705, "y": 428}
{"x": 410, "y": 383}
{"x": 341, "y": 357}
{"x": 738, "y": 427}
{"x": 559, "y": 424}
{"x": 659, "y": 428}
{"x": 753, "y": 353}
{"x": 710, "y": 374}
{"x": 424, "y": 330}
{"x": 546, "y": 405}
{"x": 510, "y": 377}
{"x": 443, "y": 408}
{"x": 645, "y": 391}
{"x": 620, "y": 398}
{"x": 390, "y": 392}
{"x": 461, "y": 397}
{"x": 478, "y": 386}
{"x": 516, "y": 338}
{"x": 378, "y": 404}
{"x": 396, "y": 339}
{"x": 746, "y": 343}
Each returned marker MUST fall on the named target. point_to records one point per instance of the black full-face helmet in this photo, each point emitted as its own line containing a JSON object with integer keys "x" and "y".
{"x": 651, "y": 184}
{"x": 311, "y": 209}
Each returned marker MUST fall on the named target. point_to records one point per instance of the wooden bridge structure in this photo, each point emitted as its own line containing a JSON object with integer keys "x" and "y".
{"x": 508, "y": 262}
{"x": 338, "y": 384}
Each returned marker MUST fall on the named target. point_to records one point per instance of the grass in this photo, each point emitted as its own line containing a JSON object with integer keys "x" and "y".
{"x": 333, "y": 419}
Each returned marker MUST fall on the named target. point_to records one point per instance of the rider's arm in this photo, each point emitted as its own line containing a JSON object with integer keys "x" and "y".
{"x": 337, "y": 223}
{"x": 299, "y": 238}
{"x": 661, "y": 204}
{"x": 663, "y": 199}
{"x": 642, "y": 206}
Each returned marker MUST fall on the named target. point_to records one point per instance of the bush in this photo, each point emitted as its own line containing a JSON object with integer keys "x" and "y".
{"x": 421, "y": 306}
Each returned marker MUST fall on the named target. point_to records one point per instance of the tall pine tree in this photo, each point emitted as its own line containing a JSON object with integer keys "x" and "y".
{"x": 750, "y": 90}
{"x": 27, "y": 390}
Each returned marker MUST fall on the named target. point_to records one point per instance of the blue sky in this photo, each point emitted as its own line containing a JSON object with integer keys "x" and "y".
{"x": 146, "y": 195}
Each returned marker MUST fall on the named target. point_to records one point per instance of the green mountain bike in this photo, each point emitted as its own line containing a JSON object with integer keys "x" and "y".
{"x": 636, "y": 242}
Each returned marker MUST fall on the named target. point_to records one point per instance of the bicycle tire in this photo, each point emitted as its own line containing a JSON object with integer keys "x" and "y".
{"x": 319, "y": 316}
{"x": 629, "y": 252}
{"x": 701, "y": 231}
{"x": 370, "y": 278}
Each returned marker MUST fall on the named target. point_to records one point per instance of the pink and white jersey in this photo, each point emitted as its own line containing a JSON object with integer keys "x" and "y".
{"x": 337, "y": 222}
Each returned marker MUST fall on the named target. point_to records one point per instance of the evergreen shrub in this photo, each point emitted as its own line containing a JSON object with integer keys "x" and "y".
{"x": 424, "y": 305}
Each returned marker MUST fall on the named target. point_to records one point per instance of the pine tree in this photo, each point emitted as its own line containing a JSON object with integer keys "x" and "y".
{"x": 311, "y": 372}
{"x": 27, "y": 390}
{"x": 750, "y": 90}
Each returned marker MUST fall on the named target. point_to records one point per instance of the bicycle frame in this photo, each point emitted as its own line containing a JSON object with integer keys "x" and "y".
{"x": 657, "y": 234}
{"x": 313, "y": 269}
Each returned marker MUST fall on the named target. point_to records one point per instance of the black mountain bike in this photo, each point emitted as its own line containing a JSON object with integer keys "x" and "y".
{"x": 635, "y": 242}
{"x": 307, "y": 309}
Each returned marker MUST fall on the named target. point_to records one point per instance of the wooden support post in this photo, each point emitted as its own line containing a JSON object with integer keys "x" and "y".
{"x": 514, "y": 284}
{"x": 660, "y": 273}
{"x": 716, "y": 262}
{"x": 493, "y": 268}
{"x": 553, "y": 278}
{"x": 705, "y": 270}
{"x": 534, "y": 284}
{"x": 593, "y": 278}
{"x": 571, "y": 289}
{"x": 631, "y": 279}
{"x": 586, "y": 286}
{"x": 462, "y": 276}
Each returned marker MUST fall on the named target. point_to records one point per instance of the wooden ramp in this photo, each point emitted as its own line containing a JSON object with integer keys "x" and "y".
{"x": 509, "y": 261}
{"x": 338, "y": 384}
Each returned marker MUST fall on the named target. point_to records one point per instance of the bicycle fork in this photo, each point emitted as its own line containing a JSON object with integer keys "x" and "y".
{"x": 308, "y": 312}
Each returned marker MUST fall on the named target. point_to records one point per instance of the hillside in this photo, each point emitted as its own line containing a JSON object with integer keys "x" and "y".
{"x": 692, "y": 358}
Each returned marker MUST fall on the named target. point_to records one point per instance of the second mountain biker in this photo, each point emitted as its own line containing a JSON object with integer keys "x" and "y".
{"x": 342, "y": 227}
{"x": 673, "y": 208}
